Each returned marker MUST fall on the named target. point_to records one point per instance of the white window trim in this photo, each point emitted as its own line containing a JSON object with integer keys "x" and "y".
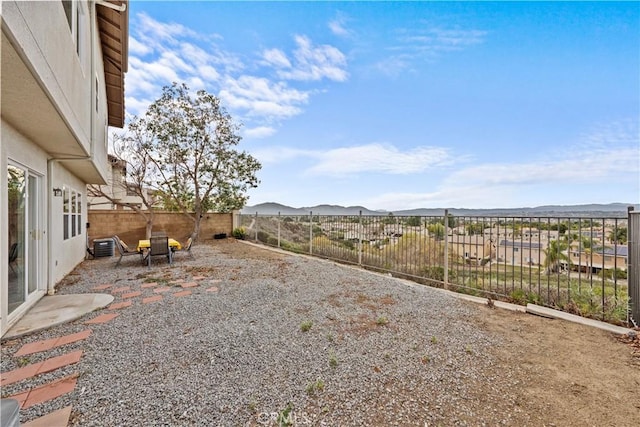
{"x": 72, "y": 218}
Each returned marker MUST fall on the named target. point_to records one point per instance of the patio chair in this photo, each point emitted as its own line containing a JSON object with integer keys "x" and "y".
{"x": 123, "y": 249}
{"x": 187, "y": 248}
{"x": 13, "y": 255}
{"x": 159, "y": 246}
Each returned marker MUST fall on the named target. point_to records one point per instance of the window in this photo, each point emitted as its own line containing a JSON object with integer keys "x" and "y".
{"x": 71, "y": 213}
{"x": 79, "y": 219}
{"x": 65, "y": 212}
{"x": 73, "y": 12}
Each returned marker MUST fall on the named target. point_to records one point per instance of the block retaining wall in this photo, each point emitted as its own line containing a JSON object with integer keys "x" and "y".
{"x": 131, "y": 226}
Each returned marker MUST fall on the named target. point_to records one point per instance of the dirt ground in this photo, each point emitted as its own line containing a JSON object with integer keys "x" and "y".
{"x": 570, "y": 375}
{"x": 561, "y": 373}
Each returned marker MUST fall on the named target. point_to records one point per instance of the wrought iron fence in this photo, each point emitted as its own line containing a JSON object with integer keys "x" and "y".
{"x": 575, "y": 264}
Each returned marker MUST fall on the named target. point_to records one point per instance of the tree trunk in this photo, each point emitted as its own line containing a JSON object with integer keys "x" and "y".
{"x": 149, "y": 228}
{"x": 196, "y": 227}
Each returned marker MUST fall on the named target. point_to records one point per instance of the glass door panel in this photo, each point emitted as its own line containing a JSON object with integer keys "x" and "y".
{"x": 17, "y": 215}
{"x": 35, "y": 236}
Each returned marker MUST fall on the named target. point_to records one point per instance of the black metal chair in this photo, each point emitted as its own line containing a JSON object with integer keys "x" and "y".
{"x": 13, "y": 256}
{"x": 124, "y": 250}
{"x": 159, "y": 246}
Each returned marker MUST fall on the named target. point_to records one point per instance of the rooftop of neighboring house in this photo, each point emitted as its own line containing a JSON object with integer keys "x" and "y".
{"x": 520, "y": 244}
{"x": 617, "y": 250}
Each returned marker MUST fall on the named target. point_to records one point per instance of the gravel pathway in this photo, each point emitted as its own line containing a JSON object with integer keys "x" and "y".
{"x": 279, "y": 335}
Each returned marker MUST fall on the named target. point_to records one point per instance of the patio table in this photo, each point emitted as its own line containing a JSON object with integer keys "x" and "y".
{"x": 146, "y": 244}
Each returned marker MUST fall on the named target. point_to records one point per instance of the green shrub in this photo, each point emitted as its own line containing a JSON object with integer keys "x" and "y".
{"x": 306, "y": 325}
{"x": 239, "y": 233}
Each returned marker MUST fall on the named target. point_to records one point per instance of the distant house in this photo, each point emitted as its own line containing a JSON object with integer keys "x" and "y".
{"x": 120, "y": 193}
{"x": 520, "y": 252}
{"x": 496, "y": 233}
{"x": 63, "y": 65}
{"x": 472, "y": 248}
{"x": 535, "y": 234}
{"x": 597, "y": 259}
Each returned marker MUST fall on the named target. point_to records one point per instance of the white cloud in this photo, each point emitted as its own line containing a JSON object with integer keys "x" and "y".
{"x": 137, "y": 48}
{"x": 425, "y": 44}
{"x": 259, "y": 132}
{"x": 157, "y": 35}
{"x": 379, "y": 158}
{"x": 275, "y": 154}
{"x": 311, "y": 63}
{"x": 136, "y": 106}
{"x": 163, "y": 53}
{"x": 609, "y": 154}
{"x": 370, "y": 158}
{"x": 395, "y": 65}
{"x": 440, "y": 39}
{"x": 261, "y": 97}
{"x": 276, "y": 58}
{"x": 338, "y": 27}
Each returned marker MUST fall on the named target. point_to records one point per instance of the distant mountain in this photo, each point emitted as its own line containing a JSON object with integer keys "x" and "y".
{"x": 591, "y": 210}
{"x": 275, "y": 208}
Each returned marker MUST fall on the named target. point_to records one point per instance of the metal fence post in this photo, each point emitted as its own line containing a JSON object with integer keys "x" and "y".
{"x": 633, "y": 264}
{"x": 278, "y": 229}
{"x": 446, "y": 248}
{"x": 360, "y": 238}
{"x": 311, "y": 232}
{"x": 256, "y": 224}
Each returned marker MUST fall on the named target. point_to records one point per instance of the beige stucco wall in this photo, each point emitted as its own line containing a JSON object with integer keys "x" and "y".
{"x": 65, "y": 254}
{"x": 49, "y": 111}
{"x": 41, "y": 29}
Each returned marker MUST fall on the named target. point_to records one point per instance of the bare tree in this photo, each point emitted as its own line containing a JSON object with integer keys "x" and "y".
{"x": 131, "y": 177}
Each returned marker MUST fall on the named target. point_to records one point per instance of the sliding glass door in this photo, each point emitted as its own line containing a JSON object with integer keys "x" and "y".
{"x": 25, "y": 234}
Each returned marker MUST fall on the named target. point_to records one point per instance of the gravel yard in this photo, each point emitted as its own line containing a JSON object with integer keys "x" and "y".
{"x": 266, "y": 334}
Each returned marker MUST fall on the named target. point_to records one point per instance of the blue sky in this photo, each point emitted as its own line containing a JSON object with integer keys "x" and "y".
{"x": 399, "y": 105}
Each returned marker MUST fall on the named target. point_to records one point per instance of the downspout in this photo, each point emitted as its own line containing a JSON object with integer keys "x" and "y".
{"x": 92, "y": 16}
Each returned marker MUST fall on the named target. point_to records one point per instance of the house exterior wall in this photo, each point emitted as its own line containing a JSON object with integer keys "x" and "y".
{"x": 520, "y": 254}
{"x": 595, "y": 261}
{"x": 65, "y": 253}
{"x": 50, "y": 113}
{"x": 470, "y": 247}
{"x": 116, "y": 189}
{"x": 41, "y": 30}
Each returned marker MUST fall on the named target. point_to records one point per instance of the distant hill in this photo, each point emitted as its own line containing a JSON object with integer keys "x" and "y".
{"x": 618, "y": 210}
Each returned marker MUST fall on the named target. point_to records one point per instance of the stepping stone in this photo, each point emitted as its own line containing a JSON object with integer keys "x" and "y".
{"x": 198, "y": 277}
{"x": 131, "y": 294}
{"x": 162, "y": 289}
{"x": 103, "y": 318}
{"x": 177, "y": 281}
{"x": 213, "y": 289}
{"x": 46, "y": 392}
{"x": 189, "y": 285}
{"x": 122, "y": 289}
{"x": 182, "y": 294}
{"x": 119, "y": 305}
{"x": 101, "y": 287}
{"x": 152, "y": 299}
{"x": 45, "y": 366}
{"x": 55, "y": 418}
{"x": 149, "y": 285}
{"x": 38, "y": 346}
